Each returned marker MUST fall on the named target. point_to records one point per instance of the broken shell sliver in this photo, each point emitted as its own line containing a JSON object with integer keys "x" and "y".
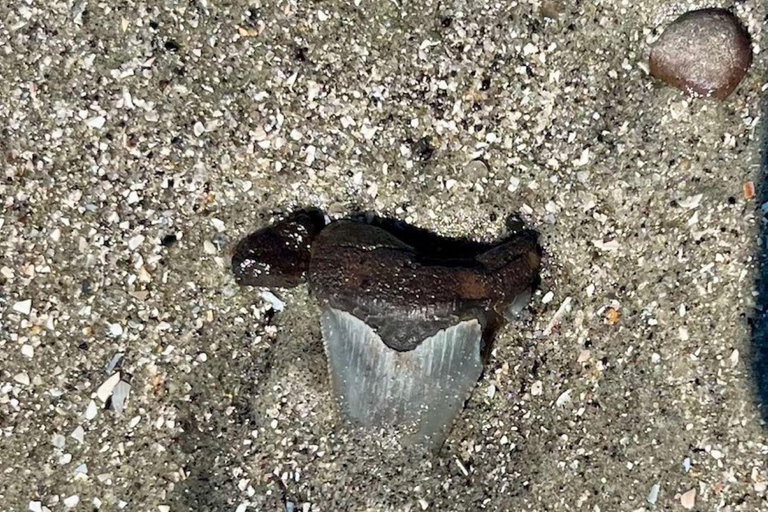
{"x": 417, "y": 392}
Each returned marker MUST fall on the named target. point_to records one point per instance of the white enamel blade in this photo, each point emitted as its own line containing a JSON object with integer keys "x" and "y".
{"x": 420, "y": 391}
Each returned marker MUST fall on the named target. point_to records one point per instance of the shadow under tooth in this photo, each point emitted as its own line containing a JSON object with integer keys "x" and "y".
{"x": 377, "y": 386}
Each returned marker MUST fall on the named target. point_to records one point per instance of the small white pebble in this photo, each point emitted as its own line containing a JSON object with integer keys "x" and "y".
{"x": 96, "y": 122}
{"x": 296, "y": 134}
{"x": 22, "y": 378}
{"x": 563, "y": 399}
{"x": 198, "y": 129}
{"x": 115, "y": 330}
{"x": 78, "y": 434}
{"x": 654, "y": 494}
{"x": 72, "y": 501}
{"x": 58, "y": 440}
{"x": 27, "y": 351}
{"x": 209, "y": 248}
{"x": 35, "y": 506}
{"x": 105, "y": 390}
{"x": 23, "y": 306}
{"x": 423, "y": 504}
{"x": 135, "y": 242}
{"x": 133, "y": 197}
{"x": 368, "y": 132}
{"x": 272, "y": 299}
{"x": 688, "y": 500}
{"x": 537, "y": 388}
{"x": 91, "y": 410}
{"x": 218, "y": 225}
{"x": 734, "y": 357}
{"x": 548, "y": 297}
{"x": 164, "y": 508}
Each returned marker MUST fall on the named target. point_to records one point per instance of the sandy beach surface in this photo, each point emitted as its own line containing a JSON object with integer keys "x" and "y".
{"x": 142, "y": 139}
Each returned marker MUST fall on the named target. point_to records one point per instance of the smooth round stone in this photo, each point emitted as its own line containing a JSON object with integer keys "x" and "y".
{"x": 705, "y": 52}
{"x": 476, "y": 168}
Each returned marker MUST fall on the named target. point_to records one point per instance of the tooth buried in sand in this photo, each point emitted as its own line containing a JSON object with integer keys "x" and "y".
{"x": 407, "y": 315}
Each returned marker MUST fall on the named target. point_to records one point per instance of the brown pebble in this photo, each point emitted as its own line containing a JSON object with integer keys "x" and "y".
{"x": 705, "y": 52}
{"x": 749, "y": 190}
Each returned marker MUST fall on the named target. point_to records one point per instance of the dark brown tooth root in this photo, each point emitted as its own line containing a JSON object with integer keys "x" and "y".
{"x": 278, "y": 255}
{"x": 512, "y": 267}
{"x": 367, "y": 271}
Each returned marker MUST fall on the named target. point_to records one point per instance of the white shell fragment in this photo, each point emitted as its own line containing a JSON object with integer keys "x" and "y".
{"x": 691, "y": 202}
{"x": 22, "y": 378}
{"x": 120, "y": 395}
{"x": 59, "y": 441}
{"x": 23, "y": 306}
{"x": 653, "y": 495}
{"x": 272, "y": 299}
{"x": 78, "y": 434}
{"x": 114, "y": 361}
{"x": 105, "y": 390}
{"x": 688, "y": 500}
{"x": 72, "y": 501}
{"x": 91, "y": 410}
{"x": 419, "y": 392}
{"x": 96, "y": 122}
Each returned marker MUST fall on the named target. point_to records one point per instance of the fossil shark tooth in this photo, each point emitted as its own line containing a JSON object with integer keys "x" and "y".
{"x": 407, "y": 316}
{"x": 418, "y": 391}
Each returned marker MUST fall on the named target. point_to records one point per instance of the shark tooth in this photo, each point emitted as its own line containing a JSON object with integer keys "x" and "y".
{"x": 418, "y": 392}
{"x": 408, "y": 316}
